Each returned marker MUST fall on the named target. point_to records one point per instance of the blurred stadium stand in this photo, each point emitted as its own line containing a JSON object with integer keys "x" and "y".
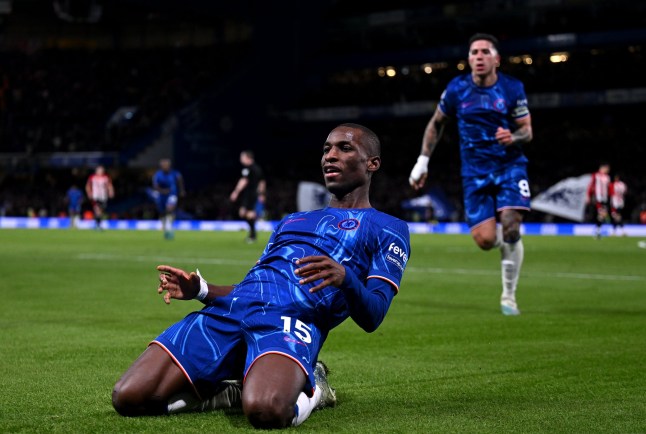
{"x": 124, "y": 82}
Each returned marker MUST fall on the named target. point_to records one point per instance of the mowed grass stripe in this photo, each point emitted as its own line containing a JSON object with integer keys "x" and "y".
{"x": 444, "y": 360}
{"x": 411, "y": 269}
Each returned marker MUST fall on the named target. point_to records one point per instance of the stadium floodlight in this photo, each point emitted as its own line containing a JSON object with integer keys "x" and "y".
{"x": 559, "y": 57}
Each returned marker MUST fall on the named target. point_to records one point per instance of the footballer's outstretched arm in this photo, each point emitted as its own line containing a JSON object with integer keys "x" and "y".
{"x": 368, "y": 304}
{"x": 433, "y": 132}
{"x": 181, "y": 285}
{"x": 432, "y": 135}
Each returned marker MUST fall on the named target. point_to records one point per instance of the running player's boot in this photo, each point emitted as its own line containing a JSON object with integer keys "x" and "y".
{"x": 509, "y": 307}
{"x": 328, "y": 394}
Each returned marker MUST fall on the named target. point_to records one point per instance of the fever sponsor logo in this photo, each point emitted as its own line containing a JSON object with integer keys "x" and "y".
{"x": 395, "y": 249}
{"x": 396, "y": 255}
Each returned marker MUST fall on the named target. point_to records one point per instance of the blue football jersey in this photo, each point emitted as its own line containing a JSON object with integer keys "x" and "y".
{"x": 74, "y": 197}
{"x": 479, "y": 112}
{"x": 167, "y": 180}
{"x": 370, "y": 243}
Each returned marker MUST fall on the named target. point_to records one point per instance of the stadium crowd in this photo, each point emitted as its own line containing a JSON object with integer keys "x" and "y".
{"x": 57, "y": 100}
{"x": 105, "y": 100}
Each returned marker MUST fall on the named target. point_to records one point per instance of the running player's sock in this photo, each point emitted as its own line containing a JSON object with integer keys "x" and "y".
{"x": 499, "y": 240}
{"x": 305, "y": 405}
{"x": 167, "y": 225}
{"x": 229, "y": 397}
{"x": 511, "y": 260}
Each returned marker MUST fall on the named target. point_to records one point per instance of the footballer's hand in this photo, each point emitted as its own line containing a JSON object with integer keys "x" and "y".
{"x": 418, "y": 175}
{"x": 504, "y": 136}
{"x": 417, "y": 185}
{"x": 320, "y": 268}
{"x": 177, "y": 283}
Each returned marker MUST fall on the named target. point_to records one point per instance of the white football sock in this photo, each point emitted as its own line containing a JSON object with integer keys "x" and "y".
{"x": 229, "y": 397}
{"x": 511, "y": 261}
{"x": 499, "y": 240}
{"x": 305, "y": 405}
{"x": 168, "y": 223}
{"x": 182, "y": 402}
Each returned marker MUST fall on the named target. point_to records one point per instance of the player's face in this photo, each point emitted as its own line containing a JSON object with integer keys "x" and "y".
{"x": 346, "y": 163}
{"x": 483, "y": 58}
{"x": 245, "y": 160}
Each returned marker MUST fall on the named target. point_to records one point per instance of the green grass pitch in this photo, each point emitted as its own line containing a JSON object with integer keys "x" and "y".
{"x": 77, "y": 307}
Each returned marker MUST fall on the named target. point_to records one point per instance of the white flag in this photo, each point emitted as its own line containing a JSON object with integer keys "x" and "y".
{"x": 567, "y": 198}
{"x": 311, "y": 196}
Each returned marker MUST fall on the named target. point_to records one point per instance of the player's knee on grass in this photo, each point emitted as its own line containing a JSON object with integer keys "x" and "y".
{"x": 268, "y": 411}
{"x": 120, "y": 401}
{"x": 123, "y": 400}
{"x": 130, "y": 401}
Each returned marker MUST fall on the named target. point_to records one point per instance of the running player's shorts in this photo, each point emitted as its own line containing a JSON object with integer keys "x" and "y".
{"x": 484, "y": 196}
{"x": 164, "y": 201}
{"x": 225, "y": 338}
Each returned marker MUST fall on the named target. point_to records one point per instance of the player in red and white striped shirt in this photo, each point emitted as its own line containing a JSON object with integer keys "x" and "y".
{"x": 598, "y": 194}
{"x": 99, "y": 189}
{"x": 617, "y": 192}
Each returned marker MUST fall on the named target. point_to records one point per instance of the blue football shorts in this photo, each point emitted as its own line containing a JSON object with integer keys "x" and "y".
{"x": 164, "y": 201}
{"x": 485, "y": 196}
{"x": 224, "y": 339}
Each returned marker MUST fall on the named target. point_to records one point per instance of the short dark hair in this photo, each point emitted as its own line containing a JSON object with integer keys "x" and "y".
{"x": 372, "y": 141}
{"x": 248, "y": 153}
{"x": 486, "y": 37}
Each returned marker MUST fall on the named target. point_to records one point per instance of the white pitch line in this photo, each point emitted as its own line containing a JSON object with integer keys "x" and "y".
{"x": 159, "y": 259}
{"x": 474, "y": 272}
{"x": 464, "y": 271}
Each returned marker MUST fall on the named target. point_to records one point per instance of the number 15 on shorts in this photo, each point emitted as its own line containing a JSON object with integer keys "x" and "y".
{"x": 301, "y": 330}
